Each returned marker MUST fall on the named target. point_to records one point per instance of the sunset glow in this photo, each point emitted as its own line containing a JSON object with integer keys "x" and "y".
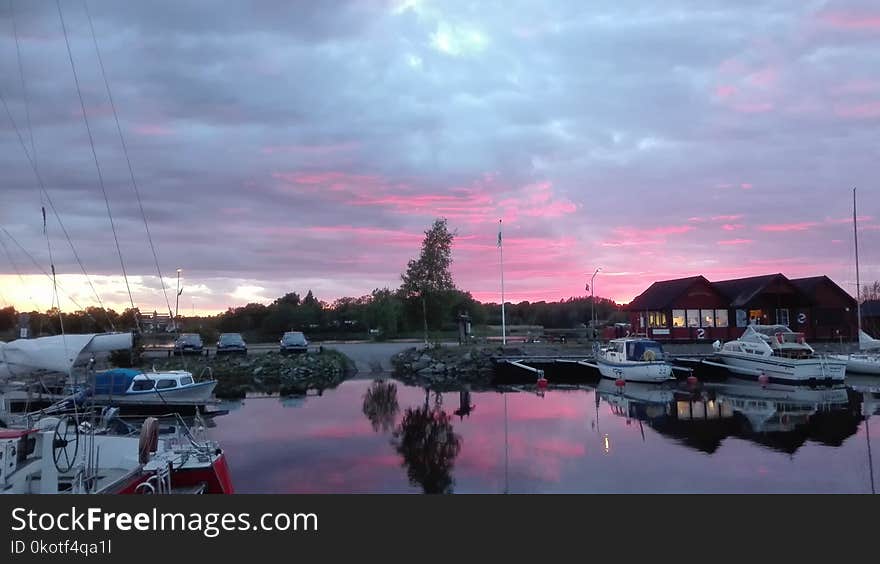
{"x": 311, "y": 150}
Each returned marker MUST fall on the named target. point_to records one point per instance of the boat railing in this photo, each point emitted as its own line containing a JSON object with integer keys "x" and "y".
{"x": 206, "y": 370}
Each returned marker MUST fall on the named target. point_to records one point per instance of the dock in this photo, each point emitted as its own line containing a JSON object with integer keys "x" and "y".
{"x": 19, "y": 401}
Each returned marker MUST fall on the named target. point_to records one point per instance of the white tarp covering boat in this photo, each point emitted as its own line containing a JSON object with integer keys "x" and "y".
{"x": 57, "y": 353}
{"x": 868, "y": 343}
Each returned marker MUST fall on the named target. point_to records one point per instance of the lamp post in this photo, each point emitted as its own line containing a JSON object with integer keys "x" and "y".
{"x": 177, "y": 302}
{"x": 593, "y": 304}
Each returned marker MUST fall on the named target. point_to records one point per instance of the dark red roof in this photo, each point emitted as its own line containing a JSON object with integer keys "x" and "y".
{"x": 809, "y": 285}
{"x": 740, "y": 291}
{"x": 661, "y": 295}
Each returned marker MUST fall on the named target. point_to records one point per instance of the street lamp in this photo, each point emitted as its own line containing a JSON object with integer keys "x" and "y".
{"x": 593, "y": 303}
{"x": 177, "y": 302}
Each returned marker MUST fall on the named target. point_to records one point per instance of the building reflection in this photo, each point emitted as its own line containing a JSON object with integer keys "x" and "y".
{"x": 782, "y": 418}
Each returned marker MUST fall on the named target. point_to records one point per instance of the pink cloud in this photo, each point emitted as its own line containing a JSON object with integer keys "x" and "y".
{"x": 733, "y": 217}
{"x": 866, "y": 110}
{"x": 724, "y": 91}
{"x": 732, "y": 226}
{"x": 632, "y": 236}
{"x": 803, "y": 226}
{"x": 745, "y": 186}
{"x": 736, "y": 242}
{"x": 764, "y": 78}
{"x": 851, "y": 21}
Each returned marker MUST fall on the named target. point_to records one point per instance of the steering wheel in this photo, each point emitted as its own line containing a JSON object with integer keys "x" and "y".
{"x": 63, "y": 441}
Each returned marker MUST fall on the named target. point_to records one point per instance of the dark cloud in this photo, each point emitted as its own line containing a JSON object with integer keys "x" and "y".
{"x": 285, "y": 145}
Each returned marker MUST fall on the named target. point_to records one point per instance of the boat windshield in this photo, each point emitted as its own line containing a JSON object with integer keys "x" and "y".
{"x": 644, "y": 350}
{"x": 771, "y": 330}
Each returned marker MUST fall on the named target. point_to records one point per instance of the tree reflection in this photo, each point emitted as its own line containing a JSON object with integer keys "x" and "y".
{"x": 380, "y": 405}
{"x": 428, "y": 444}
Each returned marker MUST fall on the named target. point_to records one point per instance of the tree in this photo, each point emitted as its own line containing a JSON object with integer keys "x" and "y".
{"x": 430, "y": 273}
{"x": 383, "y": 312}
{"x": 871, "y": 291}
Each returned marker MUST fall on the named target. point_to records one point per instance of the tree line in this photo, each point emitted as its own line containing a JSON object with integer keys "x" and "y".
{"x": 426, "y": 302}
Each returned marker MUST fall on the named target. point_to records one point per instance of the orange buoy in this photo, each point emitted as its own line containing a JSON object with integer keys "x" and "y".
{"x": 763, "y": 379}
{"x": 692, "y": 381}
{"x": 542, "y": 382}
{"x": 620, "y": 382}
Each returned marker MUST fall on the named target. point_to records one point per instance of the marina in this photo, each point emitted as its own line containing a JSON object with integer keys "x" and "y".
{"x": 452, "y": 258}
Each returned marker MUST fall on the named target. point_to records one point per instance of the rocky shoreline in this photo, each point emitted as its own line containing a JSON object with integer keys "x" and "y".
{"x": 446, "y": 368}
{"x": 269, "y": 373}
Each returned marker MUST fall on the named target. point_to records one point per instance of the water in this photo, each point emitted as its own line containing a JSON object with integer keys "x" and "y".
{"x": 730, "y": 437}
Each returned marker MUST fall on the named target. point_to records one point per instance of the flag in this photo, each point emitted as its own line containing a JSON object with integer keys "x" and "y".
{"x": 587, "y": 288}
{"x": 499, "y": 232}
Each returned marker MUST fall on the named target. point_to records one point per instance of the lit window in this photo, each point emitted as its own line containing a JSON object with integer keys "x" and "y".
{"x": 707, "y": 318}
{"x": 721, "y": 318}
{"x": 693, "y": 317}
{"x": 678, "y": 318}
{"x": 657, "y": 319}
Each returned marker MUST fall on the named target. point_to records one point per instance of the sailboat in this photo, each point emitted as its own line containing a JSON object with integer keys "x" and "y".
{"x": 867, "y": 360}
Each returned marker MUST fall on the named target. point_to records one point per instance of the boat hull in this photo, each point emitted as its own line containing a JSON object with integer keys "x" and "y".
{"x": 635, "y": 371}
{"x": 861, "y": 363}
{"x": 784, "y": 370}
{"x": 197, "y": 393}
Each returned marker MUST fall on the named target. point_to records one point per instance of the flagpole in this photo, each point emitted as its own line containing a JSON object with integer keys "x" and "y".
{"x": 503, "y": 321}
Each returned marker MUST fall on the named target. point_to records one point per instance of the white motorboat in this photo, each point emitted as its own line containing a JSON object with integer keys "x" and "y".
{"x": 779, "y": 354}
{"x": 633, "y": 359}
{"x": 124, "y": 386}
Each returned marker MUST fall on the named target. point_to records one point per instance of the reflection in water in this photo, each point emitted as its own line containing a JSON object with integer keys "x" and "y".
{"x": 465, "y": 407}
{"x": 724, "y": 437}
{"x": 779, "y": 417}
{"x": 380, "y": 405}
{"x": 428, "y": 444}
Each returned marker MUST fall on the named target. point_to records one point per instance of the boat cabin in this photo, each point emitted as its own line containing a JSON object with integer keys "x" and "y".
{"x": 122, "y": 381}
{"x": 634, "y": 350}
{"x": 777, "y": 340}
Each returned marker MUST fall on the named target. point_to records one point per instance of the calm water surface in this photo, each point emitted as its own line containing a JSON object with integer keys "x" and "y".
{"x": 381, "y": 436}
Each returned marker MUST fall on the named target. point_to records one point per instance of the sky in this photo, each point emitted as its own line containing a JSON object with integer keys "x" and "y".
{"x": 287, "y": 146}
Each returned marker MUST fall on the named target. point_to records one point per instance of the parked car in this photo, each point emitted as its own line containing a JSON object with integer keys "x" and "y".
{"x": 188, "y": 343}
{"x": 294, "y": 342}
{"x": 231, "y": 343}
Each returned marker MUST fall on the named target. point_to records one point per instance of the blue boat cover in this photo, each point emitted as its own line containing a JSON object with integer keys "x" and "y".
{"x": 115, "y": 381}
{"x": 637, "y": 349}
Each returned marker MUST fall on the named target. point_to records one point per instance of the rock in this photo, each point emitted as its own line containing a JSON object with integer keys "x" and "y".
{"x": 420, "y": 365}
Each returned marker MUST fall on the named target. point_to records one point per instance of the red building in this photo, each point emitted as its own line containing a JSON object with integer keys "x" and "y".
{"x": 695, "y": 309}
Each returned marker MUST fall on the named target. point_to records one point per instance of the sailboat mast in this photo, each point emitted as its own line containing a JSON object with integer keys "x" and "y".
{"x": 858, "y": 281}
